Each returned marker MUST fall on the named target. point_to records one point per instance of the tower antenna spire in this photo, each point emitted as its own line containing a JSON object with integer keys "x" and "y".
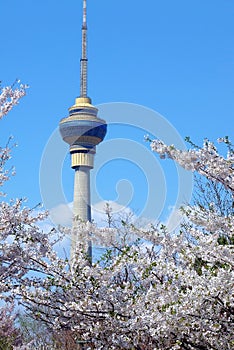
{"x": 84, "y": 59}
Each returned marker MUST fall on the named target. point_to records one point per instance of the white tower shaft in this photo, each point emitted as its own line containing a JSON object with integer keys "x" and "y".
{"x": 81, "y": 209}
{"x": 81, "y": 203}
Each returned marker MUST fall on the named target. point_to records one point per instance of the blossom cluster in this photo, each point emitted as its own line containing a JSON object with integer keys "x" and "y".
{"x": 206, "y": 161}
{"x": 10, "y": 96}
{"x": 9, "y": 333}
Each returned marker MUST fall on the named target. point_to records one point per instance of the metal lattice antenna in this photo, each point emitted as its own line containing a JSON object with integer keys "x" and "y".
{"x": 84, "y": 60}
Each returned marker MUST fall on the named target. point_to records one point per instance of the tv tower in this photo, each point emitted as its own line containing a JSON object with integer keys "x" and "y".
{"x": 83, "y": 130}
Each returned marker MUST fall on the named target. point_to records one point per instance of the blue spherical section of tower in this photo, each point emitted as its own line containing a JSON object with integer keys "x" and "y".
{"x": 82, "y": 127}
{"x": 74, "y": 131}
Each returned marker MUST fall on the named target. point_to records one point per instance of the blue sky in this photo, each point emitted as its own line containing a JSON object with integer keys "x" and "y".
{"x": 173, "y": 57}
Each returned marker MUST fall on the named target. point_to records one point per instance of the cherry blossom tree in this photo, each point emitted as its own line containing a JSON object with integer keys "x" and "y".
{"x": 20, "y": 237}
{"x": 166, "y": 291}
{"x": 156, "y": 297}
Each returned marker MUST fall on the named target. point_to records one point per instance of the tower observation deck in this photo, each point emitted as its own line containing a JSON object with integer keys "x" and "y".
{"x": 83, "y": 130}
